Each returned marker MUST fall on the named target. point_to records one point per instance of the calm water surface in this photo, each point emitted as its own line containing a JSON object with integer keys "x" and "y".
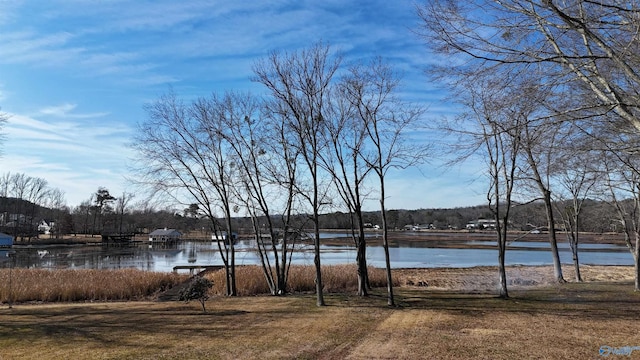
{"x": 403, "y": 255}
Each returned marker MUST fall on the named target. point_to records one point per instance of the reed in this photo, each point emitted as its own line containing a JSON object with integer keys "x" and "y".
{"x": 63, "y": 285}
{"x": 250, "y": 280}
{"x": 83, "y": 285}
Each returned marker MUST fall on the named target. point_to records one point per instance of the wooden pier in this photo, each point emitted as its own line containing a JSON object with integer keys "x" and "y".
{"x": 193, "y": 268}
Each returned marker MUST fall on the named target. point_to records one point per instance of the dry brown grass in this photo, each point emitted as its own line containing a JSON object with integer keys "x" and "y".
{"x": 250, "y": 280}
{"x": 130, "y": 284}
{"x": 568, "y": 321}
{"x": 485, "y": 278}
{"x": 83, "y": 285}
{"x": 544, "y": 321}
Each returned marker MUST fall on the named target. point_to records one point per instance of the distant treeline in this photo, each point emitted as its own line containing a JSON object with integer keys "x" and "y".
{"x": 597, "y": 217}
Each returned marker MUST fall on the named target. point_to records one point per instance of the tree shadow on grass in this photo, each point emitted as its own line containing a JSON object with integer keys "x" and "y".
{"x": 596, "y": 300}
{"x": 111, "y": 325}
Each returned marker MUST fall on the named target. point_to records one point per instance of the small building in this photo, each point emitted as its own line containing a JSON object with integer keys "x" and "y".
{"x": 223, "y": 237}
{"x": 482, "y": 224}
{"x": 416, "y": 227}
{"x": 45, "y": 227}
{"x": 6, "y": 241}
{"x": 164, "y": 235}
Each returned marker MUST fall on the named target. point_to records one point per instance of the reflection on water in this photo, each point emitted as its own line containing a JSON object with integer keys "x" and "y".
{"x": 403, "y": 254}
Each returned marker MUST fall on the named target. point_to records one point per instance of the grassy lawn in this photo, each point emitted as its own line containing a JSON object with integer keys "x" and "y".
{"x": 568, "y": 321}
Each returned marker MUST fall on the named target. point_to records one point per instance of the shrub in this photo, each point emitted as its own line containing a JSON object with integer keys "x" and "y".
{"x": 197, "y": 289}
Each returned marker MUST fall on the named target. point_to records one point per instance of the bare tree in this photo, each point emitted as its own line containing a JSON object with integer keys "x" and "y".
{"x": 32, "y": 191}
{"x": 501, "y": 134}
{"x": 372, "y": 91}
{"x": 184, "y": 158}
{"x": 616, "y": 167}
{"x": 281, "y": 171}
{"x": 580, "y": 53}
{"x": 540, "y": 142}
{"x": 214, "y": 155}
{"x": 578, "y": 177}
{"x": 24, "y": 204}
{"x": 82, "y": 214}
{"x": 492, "y": 126}
{"x": 346, "y": 135}
{"x": 588, "y": 46}
{"x": 622, "y": 181}
{"x": 57, "y": 203}
{"x": 300, "y": 86}
{"x": 121, "y": 208}
{"x": 266, "y": 161}
{"x": 37, "y": 193}
{"x": 5, "y": 183}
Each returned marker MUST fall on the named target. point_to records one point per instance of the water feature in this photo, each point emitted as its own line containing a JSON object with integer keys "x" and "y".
{"x": 404, "y": 254}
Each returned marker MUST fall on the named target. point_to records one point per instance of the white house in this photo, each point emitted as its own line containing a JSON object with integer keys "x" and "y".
{"x": 223, "y": 237}
{"x": 164, "y": 235}
{"x": 45, "y": 227}
{"x": 481, "y": 224}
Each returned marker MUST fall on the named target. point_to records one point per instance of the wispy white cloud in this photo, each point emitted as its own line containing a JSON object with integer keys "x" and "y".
{"x": 77, "y": 183}
{"x": 97, "y": 62}
{"x": 152, "y": 80}
{"x": 75, "y": 156}
{"x": 35, "y": 48}
{"x": 88, "y": 137}
{"x": 22, "y": 127}
{"x": 65, "y": 110}
{"x": 31, "y": 165}
{"x": 59, "y": 110}
{"x": 142, "y": 40}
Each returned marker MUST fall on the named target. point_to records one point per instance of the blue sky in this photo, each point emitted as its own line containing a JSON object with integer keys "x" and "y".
{"x": 75, "y": 75}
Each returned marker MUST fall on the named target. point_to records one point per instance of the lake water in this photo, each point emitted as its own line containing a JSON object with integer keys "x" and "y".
{"x": 403, "y": 255}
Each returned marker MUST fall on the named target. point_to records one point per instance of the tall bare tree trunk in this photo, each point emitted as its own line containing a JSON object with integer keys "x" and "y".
{"x": 502, "y": 273}
{"x": 385, "y": 244}
{"x": 231, "y": 253}
{"x": 361, "y": 254}
{"x": 361, "y": 260}
{"x": 576, "y": 263}
{"x": 553, "y": 240}
{"x": 316, "y": 260}
{"x": 316, "y": 227}
{"x": 574, "y": 240}
{"x": 636, "y": 260}
{"x": 501, "y": 230}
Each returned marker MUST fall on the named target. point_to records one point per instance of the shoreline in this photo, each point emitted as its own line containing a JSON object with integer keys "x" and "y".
{"x": 485, "y": 278}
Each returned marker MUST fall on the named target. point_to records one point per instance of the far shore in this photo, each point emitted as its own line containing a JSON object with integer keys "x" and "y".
{"x": 435, "y": 238}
